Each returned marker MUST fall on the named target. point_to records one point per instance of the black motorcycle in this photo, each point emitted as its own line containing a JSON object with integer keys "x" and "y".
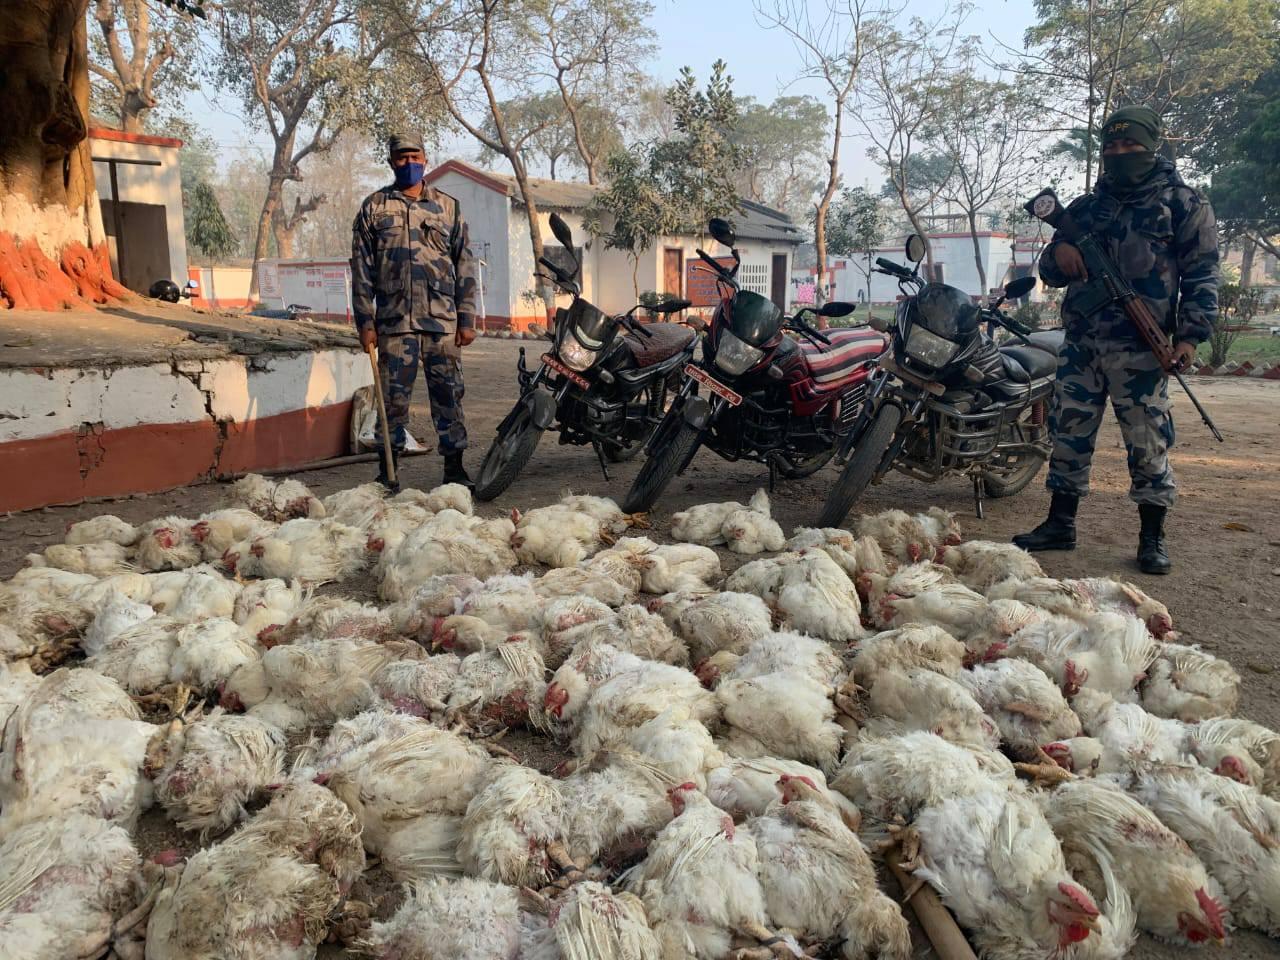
{"x": 604, "y": 382}
{"x": 946, "y": 399}
{"x": 758, "y": 394}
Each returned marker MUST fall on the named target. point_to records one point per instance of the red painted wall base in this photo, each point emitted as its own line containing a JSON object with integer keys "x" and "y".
{"x": 92, "y": 462}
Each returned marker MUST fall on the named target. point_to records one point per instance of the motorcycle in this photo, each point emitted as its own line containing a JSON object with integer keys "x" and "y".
{"x": 769, "y": 398}
{"x": 604, "y": 382}
{"x": 946, "y": 399}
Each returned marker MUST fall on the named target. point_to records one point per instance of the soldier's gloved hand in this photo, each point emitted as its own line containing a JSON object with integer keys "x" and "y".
{"x": 464, "y": 336}
{"x": 368, "y": 338}
{"x": 1069, "y": 261}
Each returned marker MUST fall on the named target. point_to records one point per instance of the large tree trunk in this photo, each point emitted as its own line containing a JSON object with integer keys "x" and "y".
{"x": 977, "y": 255}
{"x": 1246, "y": 262}
{"x": 266, "y": 219}
{"x": 535, "y": 231}
{"x": 824, "y": 205}
{"x": 53, "y": 249}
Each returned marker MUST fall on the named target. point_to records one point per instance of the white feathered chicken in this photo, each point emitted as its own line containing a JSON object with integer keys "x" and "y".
{"x": 266, "y": 891}
{"x": 100, "y": 528}
{"x": 752, "y": 530}
{"x": 566, "y": 533}
{"x": 1108, "y": 652}
{"x": 1189, "y": 684}
{"x": 467, "y": 918}
{"x": 712, "y": 623}
{"x": 785, "y": 714}
{"x": 1233, "y": 829}
{"x": 911, "y": 538}
{"x": 167, "y": 544}
{"x": 859, "y": 557}
{"x": 215, "y": 767}
{"x": 1079, "y": 598}
{"x": 515, "y": 814}
{"x": 449, "y": 543}
{"x": 272, "y": 500}
{"x": 699, "y": 883}
{"x": 66, "y": 882}
{"x": 705, "y": 523}
{"x": 1098, "y": 824}
{"x": 981, "y": 564}
{"x": 924, "y": 700}
{"x": 1025, "y": 704}
{"x": 591, "y": 922}
{"x": 217, "y": 530}
{"x": 503, "y": 686}
{"x": 817, "y": 876}
{"x": 313, "y": 551}
{"x": 809, "y": 590}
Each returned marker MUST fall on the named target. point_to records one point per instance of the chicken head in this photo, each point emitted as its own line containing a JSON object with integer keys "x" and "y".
{"x": 1073, "y": 911}
{"x": 555, "y": 699}
{"x": 1209, "y": 925}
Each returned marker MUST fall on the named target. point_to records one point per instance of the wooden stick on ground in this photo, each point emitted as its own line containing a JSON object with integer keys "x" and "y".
{"x": 935, "y": 919}
{"x": 372, "y": 350}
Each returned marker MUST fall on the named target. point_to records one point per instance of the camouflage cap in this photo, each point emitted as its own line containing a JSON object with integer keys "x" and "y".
{"x": 402, "y": 141}
{"x": 1134, "y": 122}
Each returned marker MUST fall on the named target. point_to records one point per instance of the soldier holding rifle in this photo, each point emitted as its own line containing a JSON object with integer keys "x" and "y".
{"x": 1160, "y": 237}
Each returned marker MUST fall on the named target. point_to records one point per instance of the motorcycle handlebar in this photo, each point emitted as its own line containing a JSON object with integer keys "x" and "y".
{"x": 896, "y": 269}
{"x": 711, "y": 262}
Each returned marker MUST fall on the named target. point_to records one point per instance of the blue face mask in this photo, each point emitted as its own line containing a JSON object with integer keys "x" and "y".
{"x": 409, "y": 174}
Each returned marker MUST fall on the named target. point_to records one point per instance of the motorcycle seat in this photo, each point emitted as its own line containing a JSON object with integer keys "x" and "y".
{"x": 666, "y": 341}
{"x": 1040, "y": 360}
{"x": 848, "y": 350}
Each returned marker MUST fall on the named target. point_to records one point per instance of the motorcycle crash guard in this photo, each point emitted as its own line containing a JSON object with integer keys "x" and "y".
{"x": 542, "y": 407}
{"x": 697, "y": 412}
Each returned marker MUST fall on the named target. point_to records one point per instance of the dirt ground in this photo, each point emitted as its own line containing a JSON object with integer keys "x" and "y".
{"x": 1223, "y": 592}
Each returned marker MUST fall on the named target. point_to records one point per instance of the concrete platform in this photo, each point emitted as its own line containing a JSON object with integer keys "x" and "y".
{"x": 149, "y": 396}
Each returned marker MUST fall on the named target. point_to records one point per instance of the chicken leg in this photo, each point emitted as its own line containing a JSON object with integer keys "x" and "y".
{"x": 777, "y": 946}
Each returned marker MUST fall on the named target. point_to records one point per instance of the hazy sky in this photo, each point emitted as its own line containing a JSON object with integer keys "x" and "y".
{"x": 696, "y": 33}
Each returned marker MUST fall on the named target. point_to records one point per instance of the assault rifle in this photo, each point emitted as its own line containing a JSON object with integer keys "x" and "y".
{"x": 1106, "y": 285}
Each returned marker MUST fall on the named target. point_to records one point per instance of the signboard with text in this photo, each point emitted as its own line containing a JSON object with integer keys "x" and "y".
{"x": 700, "y": 283}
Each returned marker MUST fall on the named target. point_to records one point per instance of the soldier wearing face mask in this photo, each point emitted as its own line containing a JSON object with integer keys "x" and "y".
{"x": 413, "y": 293}
{"x": 1163, "y": 237}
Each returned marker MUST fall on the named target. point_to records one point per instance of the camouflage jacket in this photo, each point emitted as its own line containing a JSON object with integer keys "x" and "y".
{"x": 411, "y": 264}
{"x": 1164, "y": 239}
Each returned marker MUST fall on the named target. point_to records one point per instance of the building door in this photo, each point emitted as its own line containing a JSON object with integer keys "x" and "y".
{"x": 140, "y": 256}
{"x": 673, "y": 271}
{"x": 778, "y": 281}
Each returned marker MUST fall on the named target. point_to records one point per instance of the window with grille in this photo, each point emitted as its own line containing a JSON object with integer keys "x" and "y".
{"x": 754, "y": 277}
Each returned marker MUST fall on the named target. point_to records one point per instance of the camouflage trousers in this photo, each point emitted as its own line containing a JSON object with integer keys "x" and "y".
{"x": 1091, "y": 371}
{"x": 398, "y": 358}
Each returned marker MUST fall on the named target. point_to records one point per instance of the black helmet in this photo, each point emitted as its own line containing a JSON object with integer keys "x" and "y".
{"x": 165, "y": 290}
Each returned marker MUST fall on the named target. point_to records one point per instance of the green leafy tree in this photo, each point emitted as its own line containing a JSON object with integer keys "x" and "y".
{"x": 207, "y": 229}
{"x": 1182, "y": 57}
{"x": 856, "y": 226}
{"x": 140, "y": 52}
{"x": 668, "y": 186}
{"x": 1237, "y": 306}
{"x": 783, "y": 147}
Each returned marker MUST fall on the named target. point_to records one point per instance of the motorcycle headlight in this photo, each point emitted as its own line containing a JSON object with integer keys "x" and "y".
{"x": 575, "y": 355}
{"x": 735, "y": 356}
{"x": 928, "y": 348}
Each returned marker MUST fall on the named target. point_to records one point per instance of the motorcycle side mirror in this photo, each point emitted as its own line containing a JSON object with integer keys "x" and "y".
{"x": 1019, "y": 288}
{"x": 561, "y": 231}
{"x": 723, "y": 231}
{"x": 835, "y": 308}
{"x": 915, "y": 248}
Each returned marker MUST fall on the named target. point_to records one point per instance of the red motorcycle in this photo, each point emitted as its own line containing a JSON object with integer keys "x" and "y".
{"x": 758, "y": 394}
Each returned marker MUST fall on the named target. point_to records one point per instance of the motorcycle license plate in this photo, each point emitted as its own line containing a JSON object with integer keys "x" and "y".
{"x": 712, "y": 384}
{"x": 575, "y": 378}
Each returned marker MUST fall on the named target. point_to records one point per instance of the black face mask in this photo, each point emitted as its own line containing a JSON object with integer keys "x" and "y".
{"x": 1127, "y": 170}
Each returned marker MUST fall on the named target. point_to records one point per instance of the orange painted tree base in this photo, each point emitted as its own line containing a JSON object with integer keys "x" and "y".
{"x": 30, "y": 280}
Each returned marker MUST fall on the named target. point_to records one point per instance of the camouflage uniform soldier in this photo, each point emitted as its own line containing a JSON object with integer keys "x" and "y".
{"x": 413, "y": 292}
{"x": 1163, "y": 237}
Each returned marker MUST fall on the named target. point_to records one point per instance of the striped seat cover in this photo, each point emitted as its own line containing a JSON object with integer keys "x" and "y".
{"x": 848, "y": 349}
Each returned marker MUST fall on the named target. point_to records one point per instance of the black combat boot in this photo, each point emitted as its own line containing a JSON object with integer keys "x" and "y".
{"x": 384, "y": 474}
{"x": 1056, "y": 533}
{"x": 1152, "y": 557}
{"x": 455, "y": 472}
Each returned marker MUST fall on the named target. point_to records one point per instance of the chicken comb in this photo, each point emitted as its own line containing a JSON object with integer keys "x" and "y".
{"x": 687, "y": 785}
{"x": 1077, "y": 896}
{"x": 1213, "y": 912}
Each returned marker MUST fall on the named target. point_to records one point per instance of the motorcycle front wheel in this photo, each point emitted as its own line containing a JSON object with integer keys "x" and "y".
{"x": 507, "y": 455}
{"x": 862, "y": 466}
{"x": 663, "y": 464}
{"x": 1010, "y": 475}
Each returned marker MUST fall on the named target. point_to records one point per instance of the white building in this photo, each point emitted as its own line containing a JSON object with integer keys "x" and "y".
{"x": 140, "y": 187}
{"x": 495, "y": 214}
{"x": 954, "y": 263}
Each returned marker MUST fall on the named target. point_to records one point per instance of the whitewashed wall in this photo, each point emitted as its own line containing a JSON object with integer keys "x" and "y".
{"x": 147, "y": 184}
